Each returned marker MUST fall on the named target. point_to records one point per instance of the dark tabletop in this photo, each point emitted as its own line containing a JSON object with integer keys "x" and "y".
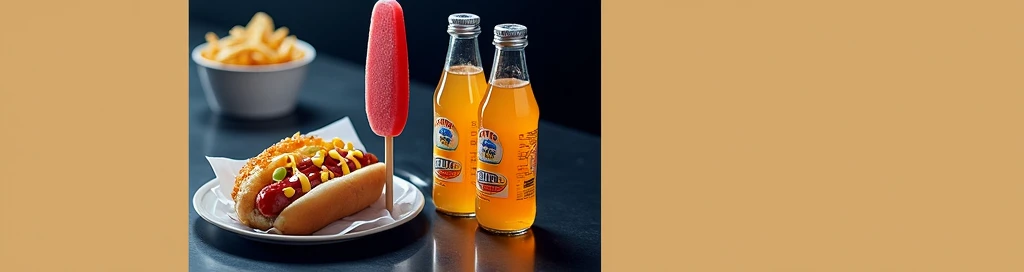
{"x": 566, "y": 235}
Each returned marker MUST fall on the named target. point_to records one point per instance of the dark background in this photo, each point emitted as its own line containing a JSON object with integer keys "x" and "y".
{"x": 563, "y": 58}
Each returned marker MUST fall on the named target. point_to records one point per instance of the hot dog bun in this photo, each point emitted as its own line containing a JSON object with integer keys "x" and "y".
{"x": 257, "y": 173}
{"x": 333, "y": 200}
{"x": 248, "y": 189}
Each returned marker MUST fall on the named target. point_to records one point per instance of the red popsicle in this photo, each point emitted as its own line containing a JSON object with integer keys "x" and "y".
{"x": 387, "y": 82}
{"x": 387, "y": 70}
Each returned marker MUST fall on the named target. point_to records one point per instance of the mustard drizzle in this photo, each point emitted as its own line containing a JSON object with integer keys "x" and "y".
{"x": 318, "y": 160}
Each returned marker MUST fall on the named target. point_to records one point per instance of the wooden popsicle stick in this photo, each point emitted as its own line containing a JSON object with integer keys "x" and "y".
{"x": 389, "y": 197}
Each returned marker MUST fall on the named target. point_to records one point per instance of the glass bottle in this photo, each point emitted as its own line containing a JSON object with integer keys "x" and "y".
{"x": 456, "y": 112}
{"x": 507, "y": 141}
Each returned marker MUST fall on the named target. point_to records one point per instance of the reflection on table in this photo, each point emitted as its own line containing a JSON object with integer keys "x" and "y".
{"x": 458, "y": 244}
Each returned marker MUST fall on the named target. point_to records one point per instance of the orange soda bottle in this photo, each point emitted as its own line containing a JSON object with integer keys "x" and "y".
{"x": 456, "y": 118}
{"x": 507, "y": 148}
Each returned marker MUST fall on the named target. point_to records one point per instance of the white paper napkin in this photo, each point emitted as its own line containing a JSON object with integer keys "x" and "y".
{"x": 376, "y": 215}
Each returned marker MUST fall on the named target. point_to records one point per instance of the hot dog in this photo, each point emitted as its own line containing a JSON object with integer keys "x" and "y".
{"x": 303, "y": 183}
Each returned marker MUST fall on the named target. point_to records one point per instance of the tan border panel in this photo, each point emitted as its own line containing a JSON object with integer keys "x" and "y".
{"x": 93, "y": 105}
{"x": 749, "y": 135}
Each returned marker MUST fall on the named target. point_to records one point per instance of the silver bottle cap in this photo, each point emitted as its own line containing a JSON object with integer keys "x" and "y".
{"x": 510, "y": 35}
{"x": 464, "y": 24}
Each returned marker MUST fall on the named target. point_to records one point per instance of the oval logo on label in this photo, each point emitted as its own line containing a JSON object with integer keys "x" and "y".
{"x": 446, "y": 169}
{"x": 489, "y": 148}
{"x": 445, "y": 135}
{"x": 490, "y": 183}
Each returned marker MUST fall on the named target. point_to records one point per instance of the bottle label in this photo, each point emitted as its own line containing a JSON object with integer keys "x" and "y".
{"x": 447, "y": 170}
{"x": 489, "y": 148}
{"x": 517, "y": 178}
{"x": 445, "y": 135}
{"x": 528, "y": 165}
{"x": 491, "y": 184}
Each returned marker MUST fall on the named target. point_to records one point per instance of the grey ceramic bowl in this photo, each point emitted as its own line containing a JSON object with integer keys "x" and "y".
{"x": 253, "y": 92}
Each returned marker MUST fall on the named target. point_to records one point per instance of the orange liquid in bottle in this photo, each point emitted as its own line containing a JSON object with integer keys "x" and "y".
{"x": 507, "y": 157}
{"x": 456, "y": 104}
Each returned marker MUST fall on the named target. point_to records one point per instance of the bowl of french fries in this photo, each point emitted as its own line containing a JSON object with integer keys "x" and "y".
{"x": 256, "y": 71}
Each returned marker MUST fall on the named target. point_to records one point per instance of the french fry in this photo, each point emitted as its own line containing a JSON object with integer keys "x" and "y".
{"x": 264, "y": 49}
{"x": 228, "y": 54}
{"x": 245, "y": 57}
{"x": 268, "y": 25}
{"x": 235, "y": 37}
{"x": 262, "y": 20}
{"x": 286, "y": 46}
{"x": 266, "y": 57}
{"x": 212, "y": 38}
{"x": 259, "y": 57}
{"x": 237, "y": 31}
{"x": 254, "y": 35}
{"x": 259, "y": 26}
{"x": 275, "y": 39}
{"x": 214, "y": 44}
{"x": 231, "y": 41}
{"x": 266, "y": 54}
{"x": 207, "y": 54}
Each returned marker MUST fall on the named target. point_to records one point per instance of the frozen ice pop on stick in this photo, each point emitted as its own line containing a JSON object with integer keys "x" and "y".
{"x": 387, "y": 81}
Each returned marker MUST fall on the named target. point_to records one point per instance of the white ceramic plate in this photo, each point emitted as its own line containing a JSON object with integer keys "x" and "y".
{"x": 213, "y": 210}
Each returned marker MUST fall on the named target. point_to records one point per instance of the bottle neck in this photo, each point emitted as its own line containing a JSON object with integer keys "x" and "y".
{"x": 463, "y": 51}
{"x": 510, "y": 63}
